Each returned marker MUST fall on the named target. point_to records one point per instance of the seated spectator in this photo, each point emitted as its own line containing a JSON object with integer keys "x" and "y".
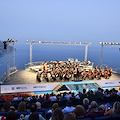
{"x": 79, "y": 111}
{"x": 40, "y": 99}
{"x": 72, "y": 96}
{"x": 34, "y": 116}
{"x": 11, "y": 115}
{"x": 93, "y": 111}
{"x": 69, "y": 108}
{"x": 2, "y": 118}
{"x": 53, "y": 97}
{"x": 39, "y": 109}
{"x": 63, "y": 98}
{"x": 15, "y": 98}
{"x": 69, "y": 116}
{"x": 33, "y": 109}
{"x": 85, "y": 103}
{"x": 99, "y": 93}
{"x": 47, "y": 98}
{"x": 91, "y": 95}
{"x": 54, "y": 106}
{"x": 6, "y": 106}
{"x": 114, "y": 111}
{"x": 84, "y": 95}
{"x": 22, "y": 106}
{"x": 20, "y": 98}
{"x": 57, "y": 114}
{"x": 29, "y": 98}
{"x": 33, "y": 100}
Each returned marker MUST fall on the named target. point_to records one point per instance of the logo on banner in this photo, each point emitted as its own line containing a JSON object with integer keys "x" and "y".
{"x": 109, "y": 83}
{"x": 39, "y": 86}
{"x": 23, "y": 88}
{"x": 12, "y": 88}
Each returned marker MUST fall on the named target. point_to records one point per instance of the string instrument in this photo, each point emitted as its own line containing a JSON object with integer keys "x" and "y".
{"x": 84, "y": 75}
{"x": 110, "y": 71}
{"x": 105, "y": 74}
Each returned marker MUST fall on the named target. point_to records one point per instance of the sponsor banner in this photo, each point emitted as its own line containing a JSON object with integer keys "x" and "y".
{"x": 108, "y": 83}
{"x": 28, "y": 87}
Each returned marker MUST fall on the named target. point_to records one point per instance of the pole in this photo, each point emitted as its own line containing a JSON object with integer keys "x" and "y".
{"x": 31, "y": 52}
{"x": 13, "y": 54}
{"x": 86, "y": 51}
{"x": 101, "y": 56}
{"x": 8, "y": 63}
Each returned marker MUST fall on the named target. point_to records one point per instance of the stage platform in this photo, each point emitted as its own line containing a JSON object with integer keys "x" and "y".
{"x": 28, "y": 77}
{"x": 25, "y": 81}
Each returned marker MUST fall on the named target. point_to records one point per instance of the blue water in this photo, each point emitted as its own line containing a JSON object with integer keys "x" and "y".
{"x": 111, "y": 55}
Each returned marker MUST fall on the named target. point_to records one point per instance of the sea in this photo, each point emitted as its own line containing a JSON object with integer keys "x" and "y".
{"x": 44, "y": 52}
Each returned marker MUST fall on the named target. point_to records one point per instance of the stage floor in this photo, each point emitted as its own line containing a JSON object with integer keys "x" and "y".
{"x": 28, "y": 77}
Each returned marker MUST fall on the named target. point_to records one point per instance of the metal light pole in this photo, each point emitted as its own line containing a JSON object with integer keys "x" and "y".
{"x": 55, "y": 43}
{"x": 6, "y": 43}
{"x": 86, "y": 50}
{"x": 109, "y": 44}
{"x": 101, "y": 55}
{"x": 28, "y": 42}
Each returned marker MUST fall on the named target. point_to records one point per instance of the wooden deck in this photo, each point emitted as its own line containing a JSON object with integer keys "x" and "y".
{"x": 28, "y": 77}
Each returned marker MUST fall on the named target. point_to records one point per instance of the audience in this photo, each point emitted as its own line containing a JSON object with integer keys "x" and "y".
{"x": 11, "y": 115}
{"x": 85, "y": 103}
{"x": 69, "y": 116}
{"x": 69, "y": 107}
{"x": 93, "y": 111}
{"x": 33, "y": 109}
{"x": 79, "y": 111}
{"x": 57, "y": 114}
{"x": 22, "y": 106}
{"x": 114, "y": 111}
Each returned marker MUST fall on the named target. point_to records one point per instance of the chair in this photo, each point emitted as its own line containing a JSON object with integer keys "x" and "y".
{"x": 116, "y": 117}
{"x": 3, "y": 114}
{"x": 19, "y": 113}
{"x": 103, "y": 118}
{"x": 46, "y": 104}
{"x": 63, "y": 103}
{"x": 41, "y": 110}
{"x": 84, "y": 119}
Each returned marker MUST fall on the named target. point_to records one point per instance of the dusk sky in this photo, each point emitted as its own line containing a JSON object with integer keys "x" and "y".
{"x": 60, "y": 20}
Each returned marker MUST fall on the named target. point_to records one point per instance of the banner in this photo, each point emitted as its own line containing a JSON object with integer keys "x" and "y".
{"x": 28, "y": 87}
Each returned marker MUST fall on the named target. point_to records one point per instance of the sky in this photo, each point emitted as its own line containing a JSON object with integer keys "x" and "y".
{"x": 60, "y": 20}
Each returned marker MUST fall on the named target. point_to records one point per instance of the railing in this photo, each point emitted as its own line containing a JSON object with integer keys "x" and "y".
{"x": 40, "y": 62}
{"x": 4, "y": 76}
{"x": 115, "y": 70}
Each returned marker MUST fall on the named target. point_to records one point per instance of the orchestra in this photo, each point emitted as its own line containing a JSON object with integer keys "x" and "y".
{"x": 64, "y": 71}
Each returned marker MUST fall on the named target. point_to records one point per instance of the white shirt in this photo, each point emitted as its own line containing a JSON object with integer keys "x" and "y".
{"x": 68, "y": 109}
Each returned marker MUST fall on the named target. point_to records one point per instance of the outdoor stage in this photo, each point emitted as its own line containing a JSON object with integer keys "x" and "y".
{"x": 25, "y": 81}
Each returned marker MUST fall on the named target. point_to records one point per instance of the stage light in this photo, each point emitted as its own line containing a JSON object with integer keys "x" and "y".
{"x": 90, "y": 43}
{"x": 80, "y": 43}
{"x": 27, "y": 41}
{"x": 39, "y": 41}
{"x": 33, "y": 41}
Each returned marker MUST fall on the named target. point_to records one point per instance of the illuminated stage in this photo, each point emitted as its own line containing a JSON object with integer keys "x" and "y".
{"x": 25, "y": 81}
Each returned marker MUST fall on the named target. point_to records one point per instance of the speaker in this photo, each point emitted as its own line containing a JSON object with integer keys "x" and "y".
{"x": 5, "y": 45}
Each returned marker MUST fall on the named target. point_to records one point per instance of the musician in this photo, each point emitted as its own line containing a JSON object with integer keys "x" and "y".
{"x": 38, "y": 77}
{"x": 110, "y": 71}
{"x": 84, "y": 74}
